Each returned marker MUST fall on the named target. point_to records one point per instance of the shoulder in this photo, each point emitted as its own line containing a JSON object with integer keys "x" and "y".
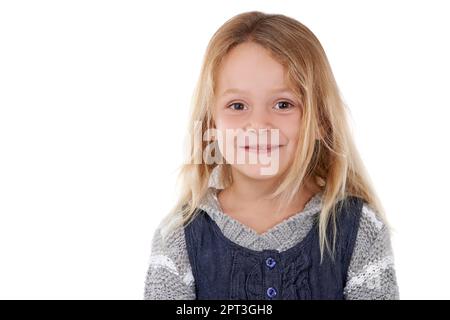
{"x": 364, "y": 218}
{"x": 169, "y": 272}
{"x": 371, "y": 274}
{"x": 371, "y": 226}
{"x": 169, "y": 246}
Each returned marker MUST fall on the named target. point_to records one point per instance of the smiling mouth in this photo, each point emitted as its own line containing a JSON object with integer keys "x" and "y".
{"x": 261, "y": 148}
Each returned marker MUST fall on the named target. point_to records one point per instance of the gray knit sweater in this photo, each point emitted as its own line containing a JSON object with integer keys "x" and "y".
{"x": 371, "y": 273}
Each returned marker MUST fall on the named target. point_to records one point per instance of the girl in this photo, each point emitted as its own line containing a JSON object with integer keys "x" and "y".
{"x": 305, "y": 223}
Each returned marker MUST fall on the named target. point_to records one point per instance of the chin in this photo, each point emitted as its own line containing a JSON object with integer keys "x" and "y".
{"x": 258, "y": 172}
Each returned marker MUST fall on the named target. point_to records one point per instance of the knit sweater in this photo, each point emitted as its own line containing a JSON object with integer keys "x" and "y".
{"x": 371, "y": 274}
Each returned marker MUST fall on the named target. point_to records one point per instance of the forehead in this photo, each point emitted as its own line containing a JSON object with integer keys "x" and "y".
{"x": 250, "y": 67}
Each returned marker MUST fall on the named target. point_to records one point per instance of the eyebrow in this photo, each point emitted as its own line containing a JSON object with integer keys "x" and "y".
{"x": 235, "y": 90}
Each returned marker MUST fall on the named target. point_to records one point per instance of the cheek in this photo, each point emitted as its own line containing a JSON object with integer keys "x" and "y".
{"x": 292, "y": 136}
{"x": 225, "y": 138}
{"x": 290, "y": 131}
{"x": 291, "y": 128}
{"x": 224, "y": 122}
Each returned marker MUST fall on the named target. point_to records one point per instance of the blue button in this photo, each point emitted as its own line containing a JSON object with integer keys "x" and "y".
{"x": 271, "y": 292}
{"x": 270, "y": 262}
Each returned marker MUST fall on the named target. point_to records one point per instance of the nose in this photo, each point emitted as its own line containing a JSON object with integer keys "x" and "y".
{"x": 259, "y": 125}
{"x": 259, "y": 120}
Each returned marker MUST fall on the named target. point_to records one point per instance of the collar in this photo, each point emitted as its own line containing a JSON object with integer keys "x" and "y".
{"x": 280, "y": 237}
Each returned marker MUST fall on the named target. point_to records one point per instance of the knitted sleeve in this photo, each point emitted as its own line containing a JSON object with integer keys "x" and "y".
{"x": 371, "y": 274}
{"x": 169, "y": 275}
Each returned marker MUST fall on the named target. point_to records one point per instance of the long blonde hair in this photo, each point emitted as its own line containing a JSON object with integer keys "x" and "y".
{"x": 325, "y": 153}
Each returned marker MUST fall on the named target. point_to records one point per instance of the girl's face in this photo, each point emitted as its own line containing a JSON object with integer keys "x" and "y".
{"x": 253, "y": 94}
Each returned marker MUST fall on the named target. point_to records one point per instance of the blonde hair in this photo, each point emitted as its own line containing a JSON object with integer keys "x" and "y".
{"x": 325, "y": 153}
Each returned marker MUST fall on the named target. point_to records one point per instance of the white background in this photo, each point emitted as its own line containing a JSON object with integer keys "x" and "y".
{"x": 94, "y": 98}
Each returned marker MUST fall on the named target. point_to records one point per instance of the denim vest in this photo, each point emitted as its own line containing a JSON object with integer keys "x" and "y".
{"x": 225, "y": 270}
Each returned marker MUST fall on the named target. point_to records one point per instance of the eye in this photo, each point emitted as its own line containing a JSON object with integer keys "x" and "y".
{"x": 236, "y": 106}
{"x": 283, "y": 105}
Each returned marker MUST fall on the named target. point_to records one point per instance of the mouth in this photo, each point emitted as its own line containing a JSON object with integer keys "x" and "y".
{"x": 261, "y": 148}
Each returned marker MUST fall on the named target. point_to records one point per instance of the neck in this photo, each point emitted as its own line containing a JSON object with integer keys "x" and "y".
{"x": 251, "y": 192}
